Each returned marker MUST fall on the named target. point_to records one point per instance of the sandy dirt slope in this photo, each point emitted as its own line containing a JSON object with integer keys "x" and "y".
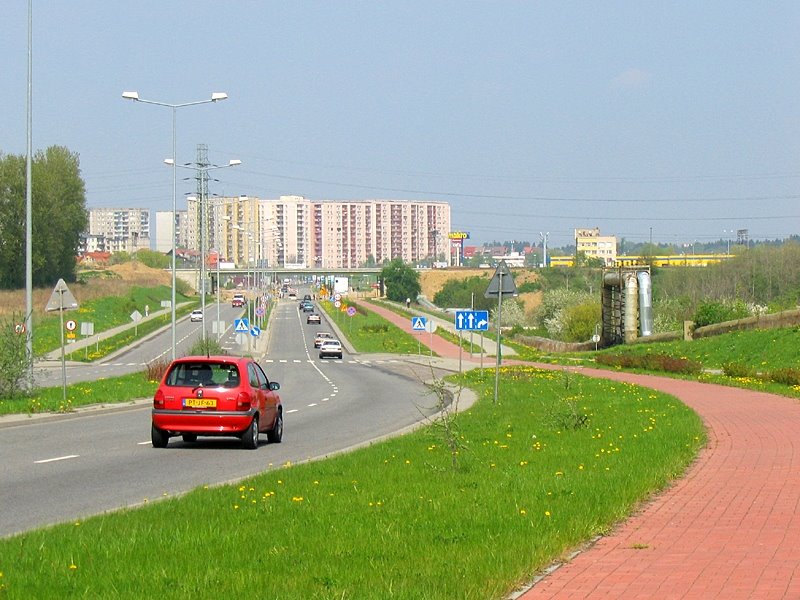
{"x": 433, "y": 280}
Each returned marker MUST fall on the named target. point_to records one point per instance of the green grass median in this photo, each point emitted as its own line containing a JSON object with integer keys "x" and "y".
{"x": 467, "y": 507}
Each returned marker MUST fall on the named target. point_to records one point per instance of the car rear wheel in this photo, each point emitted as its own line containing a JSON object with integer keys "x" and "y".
{"x": 275, "y": 435}
{"x": 250, "y": 437}
{"x": 159, "y": 437}
{"x": 189, "y": 437}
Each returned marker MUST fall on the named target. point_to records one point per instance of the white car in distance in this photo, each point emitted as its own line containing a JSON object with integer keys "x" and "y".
{"x": 330, "y": 348}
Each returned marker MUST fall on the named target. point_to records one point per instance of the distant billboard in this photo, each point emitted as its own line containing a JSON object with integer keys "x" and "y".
{"x": 458, "y": 235}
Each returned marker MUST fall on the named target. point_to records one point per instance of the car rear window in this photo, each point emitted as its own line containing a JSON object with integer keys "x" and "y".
{"x": 203, "y": 373}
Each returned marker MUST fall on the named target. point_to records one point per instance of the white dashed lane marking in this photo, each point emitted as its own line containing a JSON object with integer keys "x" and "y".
{"x": 49, "y": 460}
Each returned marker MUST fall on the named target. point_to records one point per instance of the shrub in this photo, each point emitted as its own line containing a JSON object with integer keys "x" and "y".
{"x": 716, "y": 311}
{"x": 787, "y": 376}
{"x": 155, "y": 369}
{"x": 580, "y": 321}
{"x": 733, "y": 369}
{"x": 651, "y": 362}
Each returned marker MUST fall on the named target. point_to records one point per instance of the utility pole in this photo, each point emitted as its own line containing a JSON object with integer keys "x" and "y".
{"x": 544, "y": 247}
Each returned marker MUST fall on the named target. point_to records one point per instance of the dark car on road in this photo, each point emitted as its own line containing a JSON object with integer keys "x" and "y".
{"x": 216, "y": 396}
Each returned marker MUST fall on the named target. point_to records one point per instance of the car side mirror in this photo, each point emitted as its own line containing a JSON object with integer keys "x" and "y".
{"x": 274, "y": 386}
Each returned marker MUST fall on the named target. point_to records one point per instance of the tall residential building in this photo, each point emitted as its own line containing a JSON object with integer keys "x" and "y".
{"x": 593, "y": 245}
{"x": 123, "y": 229}
{"x": 296, "y": 232}
{"x": 164, "y": 230}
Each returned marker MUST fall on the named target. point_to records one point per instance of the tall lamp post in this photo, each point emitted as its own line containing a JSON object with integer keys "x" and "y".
{"x": 218, "y": 234}
{"x": 215, "y": 97}
{"x": 202, "y": 176}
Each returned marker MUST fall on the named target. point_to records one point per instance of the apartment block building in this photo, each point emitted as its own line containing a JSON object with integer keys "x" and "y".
{"x": 296, "y": 232}
{"x": 163, "y": 233}
{"x": 593, "y": 245}
{"x": 120, "y": 229}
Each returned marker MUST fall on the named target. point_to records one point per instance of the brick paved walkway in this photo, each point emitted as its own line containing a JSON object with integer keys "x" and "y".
{"x": 728, "y": 530}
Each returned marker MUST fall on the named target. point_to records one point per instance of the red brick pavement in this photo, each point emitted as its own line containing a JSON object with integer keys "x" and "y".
{"x": 728, "y": 530}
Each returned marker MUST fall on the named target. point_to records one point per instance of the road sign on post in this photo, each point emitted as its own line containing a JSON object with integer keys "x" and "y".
{"x": 472, "y": 320}
{"x": 62, "y": 299}
{"x": 502, "y": 284}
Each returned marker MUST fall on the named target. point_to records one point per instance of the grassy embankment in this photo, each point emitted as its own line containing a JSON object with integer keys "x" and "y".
{"x": 467, "y": 510}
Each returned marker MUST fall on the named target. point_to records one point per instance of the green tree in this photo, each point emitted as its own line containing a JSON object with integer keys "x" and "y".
{"x": 401, "y": 281}
{"x": 580, "y": 321}
{"x": 153, "y": 259}
{"x": 458, "y": 293}
{"x": 58, "y": 217}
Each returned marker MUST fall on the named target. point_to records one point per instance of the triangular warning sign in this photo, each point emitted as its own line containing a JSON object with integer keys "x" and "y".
{"x": 61, "y": 298}
{"x": 502, "y": 282}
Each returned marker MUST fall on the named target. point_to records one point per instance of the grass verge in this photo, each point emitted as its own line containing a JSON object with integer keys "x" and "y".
{"x": 114, "y": 390}
{"x": 368, "y": 332}
{"x": 559, "y": 460}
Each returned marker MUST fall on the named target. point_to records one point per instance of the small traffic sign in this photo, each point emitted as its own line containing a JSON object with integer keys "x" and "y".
{"x": 472, "y": 320}
{"x": 418, "y": 323}
{"x": 351, "y": 311}
{"x": 71, "y": 325}
{"x": 255, "y": 331}
{"x": 259, "y": 312}
{"x": 241, "y": 325}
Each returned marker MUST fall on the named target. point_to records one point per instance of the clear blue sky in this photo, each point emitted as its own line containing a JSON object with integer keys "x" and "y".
{"x": 527, "y": 117}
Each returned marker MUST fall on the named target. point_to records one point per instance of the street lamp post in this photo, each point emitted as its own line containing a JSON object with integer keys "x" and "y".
{"x": 728, "y": 233}
{"x": 215, "y": 97}
{"x": 218, "y": 235}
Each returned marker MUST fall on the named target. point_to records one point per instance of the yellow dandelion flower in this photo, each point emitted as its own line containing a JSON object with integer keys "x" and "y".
{"x": 73, "y": 567}
{"x": 547, "y": 513}
{"x": 523, "y": 512}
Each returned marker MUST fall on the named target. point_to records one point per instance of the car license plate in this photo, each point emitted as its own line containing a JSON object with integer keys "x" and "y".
{"x": 199, "y": 402}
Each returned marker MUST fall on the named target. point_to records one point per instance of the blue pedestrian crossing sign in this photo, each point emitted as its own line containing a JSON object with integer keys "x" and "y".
{"x": 472, "y": 320}
{"x": 241, "y": 325}
{"x": 418, "y": 323}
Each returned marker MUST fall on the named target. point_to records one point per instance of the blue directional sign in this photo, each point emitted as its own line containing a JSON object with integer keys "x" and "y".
{"x": 255, "y": 331}
{"x": 418, "y": 323}
{"x": 241, "y": 325}
{"x": 472, "y": 320}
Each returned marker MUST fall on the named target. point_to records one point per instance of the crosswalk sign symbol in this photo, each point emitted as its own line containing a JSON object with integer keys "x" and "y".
{"x": 241, "y": 325}
{"x": 418, "y": 323}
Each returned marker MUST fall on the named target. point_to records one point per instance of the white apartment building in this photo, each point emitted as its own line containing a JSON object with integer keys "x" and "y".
{"x": 123, "y": 229}
{"x": 163, "y": 233}
{"x": 593, "y": 245}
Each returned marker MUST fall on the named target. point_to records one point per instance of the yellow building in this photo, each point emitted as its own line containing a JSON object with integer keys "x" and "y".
{"x": 594, "y": 245}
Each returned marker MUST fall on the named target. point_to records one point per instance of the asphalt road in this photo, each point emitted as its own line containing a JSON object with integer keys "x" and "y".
{"x": 64, "y": 469}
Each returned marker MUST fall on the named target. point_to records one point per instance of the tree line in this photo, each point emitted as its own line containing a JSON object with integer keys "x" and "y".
{"x": 58, "y": 217}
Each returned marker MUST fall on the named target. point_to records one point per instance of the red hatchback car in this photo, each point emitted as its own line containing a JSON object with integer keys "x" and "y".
{"x": 219, "y": 396}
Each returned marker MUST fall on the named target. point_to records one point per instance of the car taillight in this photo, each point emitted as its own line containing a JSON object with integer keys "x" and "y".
{"x": 158, "y": 399}
{"x": 243, "y": 401}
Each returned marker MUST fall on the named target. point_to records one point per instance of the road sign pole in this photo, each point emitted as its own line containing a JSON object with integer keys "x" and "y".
{"x": 497, "y": 351}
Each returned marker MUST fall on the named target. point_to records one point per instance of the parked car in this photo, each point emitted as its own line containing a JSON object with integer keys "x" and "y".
{"x": 313, "y": 318}
{"x": 330, "y": 348}
{"x": 238, "y": 300}
{"x": 321, "y": 337}
{"x": 216, "y": 396}
{"x": 197, "y": 315}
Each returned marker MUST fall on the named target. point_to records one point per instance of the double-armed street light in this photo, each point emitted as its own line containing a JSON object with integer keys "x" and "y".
{"x": 215, "y": 97}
